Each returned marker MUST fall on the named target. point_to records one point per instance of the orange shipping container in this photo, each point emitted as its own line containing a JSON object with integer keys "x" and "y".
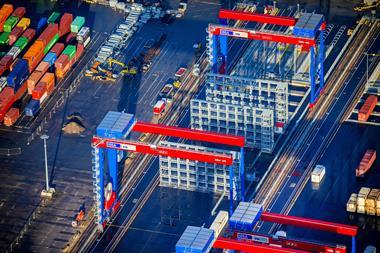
{"x": 33, "y": 80}
{"x": 5, "y": 11}
{"x": 11, "y": 116}
{"x": 43, "y": 66}
{"x": 367, "y": 108}
{"x": 366, "y": 162}
{"x": 34, "y": 55}
{"x": 49, "y": 80}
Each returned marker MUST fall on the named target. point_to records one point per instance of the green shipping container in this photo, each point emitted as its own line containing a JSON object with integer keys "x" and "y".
{"x": 2, "y": 54}
{"x": 70, "y": 51}
{"x": 51, "y": 43}
{"x": 10, "y": 23}
{"x": 4, "y": 38}
{"x": 77, "y": 24}
{"x": 21, "y": 43}
{"x": 53, "y": 17}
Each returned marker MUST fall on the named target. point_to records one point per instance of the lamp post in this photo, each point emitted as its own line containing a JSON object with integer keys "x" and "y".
{"x": 48, "y": 192}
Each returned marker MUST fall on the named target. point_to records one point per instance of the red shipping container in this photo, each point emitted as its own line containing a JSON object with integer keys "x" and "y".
{"x": 2, "y": 69}
{"x": 58, "y": 48}
{"x": 7, "y": 98}
{"x": 6, "y": 61}
{"x": 47, "y": 35}
{"x": 11, "y": 116}
{"x": 62, "y": 61}
{"x": 13, "y": 36}
{"x": 367, "y": 108}
{"x": 43, "y": 66}
{"x": 19, "y": 12}
{"x": 29, "y": 34}
{"x": 79, "y": 52}
{"x": 70, "y": 37}
{"x": 21, "y": 91}
{"x": 65, "y": 23}
{"x": 33, "y": 80}
{"x": 39, "y": 91}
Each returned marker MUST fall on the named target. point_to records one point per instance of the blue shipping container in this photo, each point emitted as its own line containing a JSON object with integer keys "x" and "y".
{"x": 18, "y": 75}
{"x": 32, "y": 108}
{"x": 51, "y": 57}
{"x": 41, "y": 24}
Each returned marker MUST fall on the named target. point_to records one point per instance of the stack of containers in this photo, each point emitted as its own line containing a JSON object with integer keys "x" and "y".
{"x": 83, "y": 37}
{"x": 62, "y": 65}
{"x": 370, "y": 202}
{"x": 4, "y": 38}
{"x": 7, "y": 98}
{"x": 5, "y": 11}
{"x": 351, "y": 204}
{"x": 43, "y": 89}
{"x": 378, "y": 206}
{"x": 11, "y": 22}
{"x": 362, "y": 196}
{"x": 3, "y": 83}
{"x": 65, "y": 23}
{"x": 41, "y": 24}
{"x": 18, "y": 30}
{"x": 75, "y": 26}
{"x": 53, "y": 17}
{"x": 50, "y": 58}
{"x": 5, "y": 63}
{"x": 11, "y": 116}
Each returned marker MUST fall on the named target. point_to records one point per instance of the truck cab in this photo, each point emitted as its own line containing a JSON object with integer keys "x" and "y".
{"x": 182, "y": 7}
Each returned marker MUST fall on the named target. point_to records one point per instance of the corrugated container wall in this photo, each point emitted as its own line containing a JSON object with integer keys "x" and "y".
{"x": 18, "y": 75}
{"x": 29, "y": 34}
{"x": 34, "y": 55}
{"x": 48, "y": 34}
{"x": 19, "y": 12}
{"x": 65, "y": 23}
{"x": 58, "y": 48}
{"x": 13, "y": 36}
{"x": 4, "y": 38}
{"x": 77, "y": 24}
{"x": 24, "y": 23}
{"x": 41, "y": 24}
{"x": 5, "y": 11}
{"x": 10, "y": 23}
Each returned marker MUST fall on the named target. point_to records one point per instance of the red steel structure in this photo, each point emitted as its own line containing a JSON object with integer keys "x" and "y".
{"x": 256, "y": 17}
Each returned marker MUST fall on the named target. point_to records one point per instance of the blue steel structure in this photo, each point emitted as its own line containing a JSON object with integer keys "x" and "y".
{"x": 306, "y": 31}
{"x": 110, "y": 142}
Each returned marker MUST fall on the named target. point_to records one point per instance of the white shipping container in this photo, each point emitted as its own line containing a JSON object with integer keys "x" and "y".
{"x": 113, "y": 3}
{"x": 351, "y": 204}
{"x": 360, "y": 209}
{"x": 219, "y": 223}
{"x": 14, "y": 52}
{"x": 3, "y": 83}
{"x": 318, "y": 173}
{"x": 120, "y": 6}
{"x": 362, "y": 196}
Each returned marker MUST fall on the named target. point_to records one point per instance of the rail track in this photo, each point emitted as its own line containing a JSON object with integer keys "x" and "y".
{"x": 306, "y": 130}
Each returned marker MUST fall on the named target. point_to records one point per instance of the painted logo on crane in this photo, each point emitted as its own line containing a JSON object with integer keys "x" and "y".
{"x": 121, "y": 146}
{"x": 233, "y": 33}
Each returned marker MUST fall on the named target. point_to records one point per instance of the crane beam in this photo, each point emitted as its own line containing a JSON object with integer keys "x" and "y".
{"x": 157, "y": 150}
{"x": 189, "y": 134}
{"x": 258, "y": 35}
{"x": 256, "y": 17}
{"x": 310, "y": 223}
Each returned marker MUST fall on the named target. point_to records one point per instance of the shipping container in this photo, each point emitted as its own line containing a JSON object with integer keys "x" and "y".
{"x": 19, "y": 12}
{"x": 318, "y": 173}
{"x": 245, "y": 216}
{"x": 58, "y": 48}
{"x": 366, "y": 162}
{"x": 51, "y": 43}
{"x": 11, "y": 117}
{"x": 77, "y": 24}
{"x": 23, "y": 23}
{"x": 370, "y": 202}
{"x": 14, "y": 52}
{"x": 48, "y": 34}
{"x": 39, "y": 92}
{"x": 10, "y": 23}
{"x": 367, "y": 108}
{"x": 351, "y": 204}
{"x": 14, "y": 35}
{"x": 33, "y": 79}
{"x": 69, "y": 51}
{"x": 50, "y": 58}
{"x": 7, "y": 98}
{"x": 29, "y": 34}
{"x": 70, "y": 39}
{"x": 65, "y": 23}
{"x": 363, "y": 193}
{"x": 43, "y": 67}
{"x": 79, "y": 51}
{"x": 3, "y": 83}
{"x": 4, "y": 38}
{"x": 62, "y": 65}
{"x": 21, "y": 43}
{"x": 41, "y": 24}
{"x": 49, "y": 80}
{"x": 32, "y": 108}
{"x": 53, "y": 17}
{"x": 5, "y": 11}
{"x": 159, "y": 107}
{"x": 18, "y": 75}
{"x": 34, "y": 55}
{"x": 83, "y": 34}
{"x": 195, "y": 240}
{"x": 219, "y": 223}
{"x": 6, "y": 61}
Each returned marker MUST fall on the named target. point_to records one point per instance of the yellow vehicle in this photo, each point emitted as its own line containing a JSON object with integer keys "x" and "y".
{"x": 94, "y": 67}
{"x": 131, "y": 70}
{"x": 177, "y": 84}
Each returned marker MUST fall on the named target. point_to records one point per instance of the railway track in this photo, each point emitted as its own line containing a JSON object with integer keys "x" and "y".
{"x": 295, "y": 150}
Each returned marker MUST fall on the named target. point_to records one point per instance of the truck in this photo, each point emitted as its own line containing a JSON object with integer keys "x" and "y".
{"x": 182, "y": 7}
{"x": 166, "y": 93}
{"x": 318, "y": 173}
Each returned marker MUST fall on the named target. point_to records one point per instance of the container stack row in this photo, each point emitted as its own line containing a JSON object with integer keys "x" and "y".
{"x": 31, "y": 77}
{"x": 367, "y": 201}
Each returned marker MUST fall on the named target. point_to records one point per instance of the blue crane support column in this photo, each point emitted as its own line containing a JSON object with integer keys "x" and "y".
{"x": 223, "y": 41}
{"x": 112, "y": 167}
{"x": 98, "y": 170}
{"x": 321, "y": 60}
{"x": 241, "y": 171}
{"x": 312, "y": 76}
{"x": 353, "y": 244}
{"x": 223, "y": 21}
{"x": 231, "y": 168}
{"x": 215, "y": 54}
